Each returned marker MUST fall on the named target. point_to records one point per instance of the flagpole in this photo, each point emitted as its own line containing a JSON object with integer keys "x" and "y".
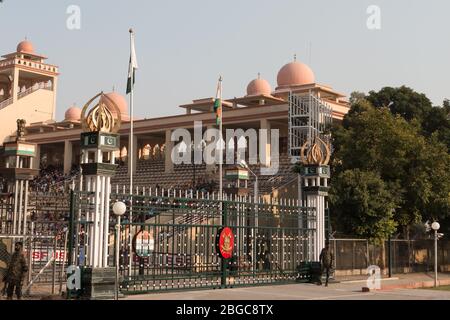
{"x": 221, "y": 144}
{"x": 131, "y": 157}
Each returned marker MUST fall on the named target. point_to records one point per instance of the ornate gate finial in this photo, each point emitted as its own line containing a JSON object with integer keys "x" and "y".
{"x": 101, "y": 118}
{"x": 318, "y": 153}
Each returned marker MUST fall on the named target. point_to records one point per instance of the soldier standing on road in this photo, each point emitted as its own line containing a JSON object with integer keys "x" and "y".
{"x": 15, "y": 274}
{"x": 326, "y": 261}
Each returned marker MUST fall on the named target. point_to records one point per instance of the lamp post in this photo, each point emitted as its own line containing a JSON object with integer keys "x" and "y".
{"x": 119, "y": 209}
{"x": 435, "y": 226}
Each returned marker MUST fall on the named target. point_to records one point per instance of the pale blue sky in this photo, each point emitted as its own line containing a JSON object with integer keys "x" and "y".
{"x": 183, "y": 46}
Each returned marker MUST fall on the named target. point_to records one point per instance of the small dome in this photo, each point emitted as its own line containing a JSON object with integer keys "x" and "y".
{"x": 73, "y": 114}
{"x": 121, "y": 103}
{"x": 295, "y": 74}
{"x": 258, "y": 87}
{"x": 25, "y": 46}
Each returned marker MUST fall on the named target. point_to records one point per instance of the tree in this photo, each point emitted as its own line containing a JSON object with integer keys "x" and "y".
{"x": 402, "y": 101}
{"x": 356, "y": 97}
{"x": 363, "y": 205}
{"x": 413, "y": 167}
{"x": 438, "y": 121}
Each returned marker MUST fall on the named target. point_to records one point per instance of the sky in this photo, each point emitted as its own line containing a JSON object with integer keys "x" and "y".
{"x": 183, "y": 46}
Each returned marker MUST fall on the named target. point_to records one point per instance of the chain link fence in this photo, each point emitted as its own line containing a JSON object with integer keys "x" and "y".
{"x": 354, "y": 256}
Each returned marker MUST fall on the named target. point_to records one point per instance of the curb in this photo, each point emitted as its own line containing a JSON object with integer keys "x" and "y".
{"x": 416, "y": 285}
{"x": 364, "y": 281}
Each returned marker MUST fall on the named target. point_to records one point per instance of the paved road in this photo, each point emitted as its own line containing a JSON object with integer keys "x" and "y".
{"x": 340, "y": 291}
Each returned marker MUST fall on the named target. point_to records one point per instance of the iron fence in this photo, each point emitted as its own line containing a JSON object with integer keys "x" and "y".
{"x": 354, "y": 256}
{"x": 271, "y": 240}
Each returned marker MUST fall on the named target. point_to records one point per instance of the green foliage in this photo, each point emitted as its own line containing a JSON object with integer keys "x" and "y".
{"x": 363, "y": 204}
{"x": 402, "y": 101}
{"x": 412, "y": 166}
{"x": 356, "y": 97}
{"x": 438, "y": 122}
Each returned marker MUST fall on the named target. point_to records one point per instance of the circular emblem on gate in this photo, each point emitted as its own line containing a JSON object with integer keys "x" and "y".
{"x": 144, "y": 244}
{"x": 225, "y": 244}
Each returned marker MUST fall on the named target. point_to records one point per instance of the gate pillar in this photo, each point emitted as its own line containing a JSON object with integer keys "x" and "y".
{"x": 315, "y": 188}
{"x": 99, "y": 142}
{"x": 17, "y": 170}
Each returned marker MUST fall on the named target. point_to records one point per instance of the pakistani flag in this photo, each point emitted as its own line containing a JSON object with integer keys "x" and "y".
{"x": 218, "y": 103}
{"x": 132, "y": 67}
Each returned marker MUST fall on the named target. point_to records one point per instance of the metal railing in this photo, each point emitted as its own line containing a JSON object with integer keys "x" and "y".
{"x": 25, "y": 93}
{"x": 6, "y": 103}
{"x": 270, "y": 242}
{"x": 354, "y": 256}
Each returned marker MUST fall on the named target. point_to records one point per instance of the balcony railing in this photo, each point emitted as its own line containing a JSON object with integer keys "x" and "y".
{"x": 6, "y": 103}
{"x": 29, "y": 63}
{"x": 36, "y": 87}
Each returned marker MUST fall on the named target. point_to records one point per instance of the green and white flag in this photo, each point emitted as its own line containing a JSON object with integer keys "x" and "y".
{"x": 132, "y": 67}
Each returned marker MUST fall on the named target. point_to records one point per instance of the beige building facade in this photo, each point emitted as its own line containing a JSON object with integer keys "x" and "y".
{"x": 28, "y": 87}
{"x": 24, "y": 96}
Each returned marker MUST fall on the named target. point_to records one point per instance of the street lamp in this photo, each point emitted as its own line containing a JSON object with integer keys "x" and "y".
{"x": 435, "y": 226}
{"x": 119, "y": 209}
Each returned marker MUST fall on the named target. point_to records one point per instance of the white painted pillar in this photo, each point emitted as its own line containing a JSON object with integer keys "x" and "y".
{"x": 55, "y": 90}
{"x": 318, "y": 202}
{"x": 15, "y": 85}
{"x": 106, "y": 221}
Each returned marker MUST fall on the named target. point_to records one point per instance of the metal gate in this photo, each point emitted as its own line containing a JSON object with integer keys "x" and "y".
{"x": 171, "y": 242}
{"x": 44, "y": 241}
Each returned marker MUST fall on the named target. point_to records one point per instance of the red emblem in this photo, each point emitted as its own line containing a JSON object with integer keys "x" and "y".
{"x": 226, "y": 243}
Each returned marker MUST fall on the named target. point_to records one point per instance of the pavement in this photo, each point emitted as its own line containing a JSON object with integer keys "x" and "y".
{"x": 400, "y": 287}
{"x": 417, "y": 286}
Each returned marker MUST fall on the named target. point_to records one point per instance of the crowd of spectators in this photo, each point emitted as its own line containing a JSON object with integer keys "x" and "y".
{"x": 52, "y": 178}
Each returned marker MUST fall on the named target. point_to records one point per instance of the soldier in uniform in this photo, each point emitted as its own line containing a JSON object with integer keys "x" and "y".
{"x": 326, "y": 261}
{"x": 15, "y": 274}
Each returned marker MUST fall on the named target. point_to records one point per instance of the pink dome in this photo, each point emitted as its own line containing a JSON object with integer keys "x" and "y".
{"x": 121, "y": 103}
{"x": 73, "y": 114}
{"x": 294, "y": 74}
{"x": 25, "y": 46}
{"x": 259, "y": 87}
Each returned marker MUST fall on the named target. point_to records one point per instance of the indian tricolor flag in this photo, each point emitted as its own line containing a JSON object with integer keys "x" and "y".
{"x": 133, "y": 66}
{"x": 218, "y": 103}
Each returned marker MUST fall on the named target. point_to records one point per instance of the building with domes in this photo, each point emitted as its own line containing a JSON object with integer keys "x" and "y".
{"x": 258, "y": 107}
{"x": 28, "y": 87}
{"x": 73, "y": 114}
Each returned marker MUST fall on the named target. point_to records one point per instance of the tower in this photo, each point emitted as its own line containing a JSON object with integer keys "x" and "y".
{"x": 28, "y": 87}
